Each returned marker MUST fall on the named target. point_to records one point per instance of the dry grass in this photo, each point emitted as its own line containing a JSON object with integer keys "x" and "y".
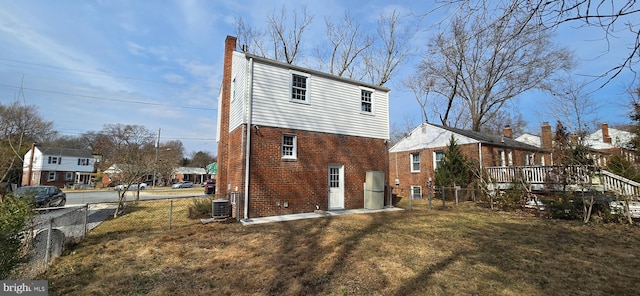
{"x": 463, "y": 251}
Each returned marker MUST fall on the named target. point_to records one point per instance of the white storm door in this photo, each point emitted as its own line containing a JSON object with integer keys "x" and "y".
{"x": 336, "y": 187}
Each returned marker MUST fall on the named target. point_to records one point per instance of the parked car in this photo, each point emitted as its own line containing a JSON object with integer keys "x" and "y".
{"x": 43, "y": 196}
{"x": 182, "y": 184}
{"x": 209, "y": 182}
{"x": 133, "y": 186}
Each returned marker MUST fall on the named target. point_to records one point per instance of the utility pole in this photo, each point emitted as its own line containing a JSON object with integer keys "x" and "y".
{"x": 155, "y": 164}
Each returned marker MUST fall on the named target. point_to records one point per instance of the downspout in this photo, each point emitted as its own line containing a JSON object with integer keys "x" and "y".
{"x": 480, "y": 157}
{"x": 248, "y": 147}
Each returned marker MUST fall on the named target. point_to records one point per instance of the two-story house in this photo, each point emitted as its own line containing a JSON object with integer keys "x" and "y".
{"x": 294, "y": 140}
{"x": 414, "y": 159}
{"x": 58, "y": 167}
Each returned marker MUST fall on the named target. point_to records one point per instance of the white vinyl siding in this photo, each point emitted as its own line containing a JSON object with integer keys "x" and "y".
{"x": 333, "y": 105}
{"x": 237, "y": 109}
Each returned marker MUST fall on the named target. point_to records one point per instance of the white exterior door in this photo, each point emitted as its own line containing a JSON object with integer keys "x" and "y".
{"x": 336, "y": 187}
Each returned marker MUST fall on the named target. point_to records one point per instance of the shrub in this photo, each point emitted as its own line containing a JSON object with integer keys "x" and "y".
{"x": 14, "y": 215}
{"x": 200, "y": 207}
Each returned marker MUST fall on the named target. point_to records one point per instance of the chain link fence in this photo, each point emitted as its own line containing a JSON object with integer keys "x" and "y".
{"x": 53, "y": 229}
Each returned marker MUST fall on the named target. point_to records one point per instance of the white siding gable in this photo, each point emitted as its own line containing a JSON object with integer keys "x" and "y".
{"x": 64, "y": 163}
{"x": 429, "y": 136}
{"x": 332, "y": 105}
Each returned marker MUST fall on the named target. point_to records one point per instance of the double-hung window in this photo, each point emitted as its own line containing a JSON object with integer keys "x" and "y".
{"x": 289, "y": 146}
{"x": 416, "y": 192}
{"x": 366, "y": 101}
{"x": 438, "y": 157}
{"x": 299, "y": 87}
{"x": 415, "y": 162}
{"x": 54, "y": 160}
{"x": 51, "y": 176}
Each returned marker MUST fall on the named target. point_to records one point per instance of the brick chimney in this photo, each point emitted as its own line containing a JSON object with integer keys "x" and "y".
{"x": 223, "y": 114}
{"x": 508, "y": 132}
{"x": 546, "y": 136}
{"x": 605, "y": 133}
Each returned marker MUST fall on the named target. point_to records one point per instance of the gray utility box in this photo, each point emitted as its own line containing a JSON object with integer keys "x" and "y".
{"x": 374, "y": 190}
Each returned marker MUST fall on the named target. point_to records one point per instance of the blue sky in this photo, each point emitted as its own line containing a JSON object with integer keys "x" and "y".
{"x": 159, "y": 63}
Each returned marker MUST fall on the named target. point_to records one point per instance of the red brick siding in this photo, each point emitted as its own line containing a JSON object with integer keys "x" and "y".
{"x": 302, "y": 183}
{"x": 223, "y": 142}
{"x": 490, "y": 157}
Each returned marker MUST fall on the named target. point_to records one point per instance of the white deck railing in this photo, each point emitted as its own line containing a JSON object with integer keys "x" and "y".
{"x": 548, "y": 177}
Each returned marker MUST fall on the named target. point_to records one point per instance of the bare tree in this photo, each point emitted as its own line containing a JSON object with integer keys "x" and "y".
{"x": 382, "y": 60}
{"x": 613, "y": 17}
{"x": 486, "y": 62}
{"x": 572, "y": 105}
{"x": 134, "y": 157}
{"x": 351, "y": 52}
{"x": 346, "y": 41}
{"x": 20, "y": 126}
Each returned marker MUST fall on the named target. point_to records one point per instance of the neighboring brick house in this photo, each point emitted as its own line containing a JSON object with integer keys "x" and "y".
{"x": 193, "y": 174}
{"x": 414, "y": 159}
{"x": 58, "y": 166}
{"x": 293, "y": 140}
{"x": 603, "y": 143}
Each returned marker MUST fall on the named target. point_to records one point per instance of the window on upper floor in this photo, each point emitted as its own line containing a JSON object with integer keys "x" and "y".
{"x": 54, "y": 160}
{"x": 299, "y": 87}
{"x": 366, "y": 101}
{"x": 415, "y": 162}
{"x": 438, "y": 157}
{"x": 289, "y": 149}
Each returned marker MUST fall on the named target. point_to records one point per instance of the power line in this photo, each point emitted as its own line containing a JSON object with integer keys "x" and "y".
{"x": 82, "y": 71}
{"x": 108, "y": 99}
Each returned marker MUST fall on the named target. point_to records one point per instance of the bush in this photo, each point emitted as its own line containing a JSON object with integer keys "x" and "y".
{"x": 565, "y": 207}
{"x": 14, "y": 215}
{"x": 200, "y": 207}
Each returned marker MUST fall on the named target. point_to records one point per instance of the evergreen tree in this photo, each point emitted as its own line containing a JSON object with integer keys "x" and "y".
{"x": 454, "y": 168}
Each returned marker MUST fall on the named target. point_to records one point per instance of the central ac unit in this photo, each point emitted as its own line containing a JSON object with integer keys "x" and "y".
{"x": 220, "y": 208}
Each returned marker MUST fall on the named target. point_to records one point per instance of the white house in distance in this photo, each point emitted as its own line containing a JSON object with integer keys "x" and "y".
{"x": 58, "y": 167}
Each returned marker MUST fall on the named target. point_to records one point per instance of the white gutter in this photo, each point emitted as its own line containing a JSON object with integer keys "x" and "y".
{"x": 248, "y": 147}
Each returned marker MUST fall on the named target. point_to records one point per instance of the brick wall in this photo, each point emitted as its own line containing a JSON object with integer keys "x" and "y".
{"x": 490, "y": 157}
{"x": 302, "y": 183}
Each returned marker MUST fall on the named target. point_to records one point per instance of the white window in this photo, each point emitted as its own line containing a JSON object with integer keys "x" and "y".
{"x": 510, "y": 158}
{"x": 366, "y": 101}
{"x": 233, "y": 89}
{"x": 54, "y": 160}
{"x": 416, "y": 192}
{"x": 530, "y": 159}
{"x": 438, "y": 157}
{"x": 51, "y": 176}
{"x": 68, "y": 176}
{"x": 83, "y": 161}
{"x": 34, "y": 176}
{"x": 415, "y": 162}
{"x": 503, "y": 161}
{"x": 289, "y": 146}
{"x": 299, "y": 87}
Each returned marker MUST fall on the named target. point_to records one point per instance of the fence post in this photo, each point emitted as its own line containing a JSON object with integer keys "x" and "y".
{"x": 170, "y": 213}
{"x": 86, "y": 218}
{"x": 429, "y": 196}
{"x": 443, "y": 205}
{"x": 456, "y": 188}
{"x": 48, "y": 248}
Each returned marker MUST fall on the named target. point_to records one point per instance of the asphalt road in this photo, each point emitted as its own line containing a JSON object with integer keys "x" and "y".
{"x": 91, "y": 197}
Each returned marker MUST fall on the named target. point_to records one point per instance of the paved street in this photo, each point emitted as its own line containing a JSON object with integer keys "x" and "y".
{"x": 105, "y": 196}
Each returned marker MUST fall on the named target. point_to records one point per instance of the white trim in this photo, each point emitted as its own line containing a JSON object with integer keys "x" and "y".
{"x": 307, "y": 94}
{"x": 411, "y": 162}
{"x": 435, "y": 158}
{"x": 419, "y": 187}
{"x": 294, "y": 148}
{"x": 373, "y": 95}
